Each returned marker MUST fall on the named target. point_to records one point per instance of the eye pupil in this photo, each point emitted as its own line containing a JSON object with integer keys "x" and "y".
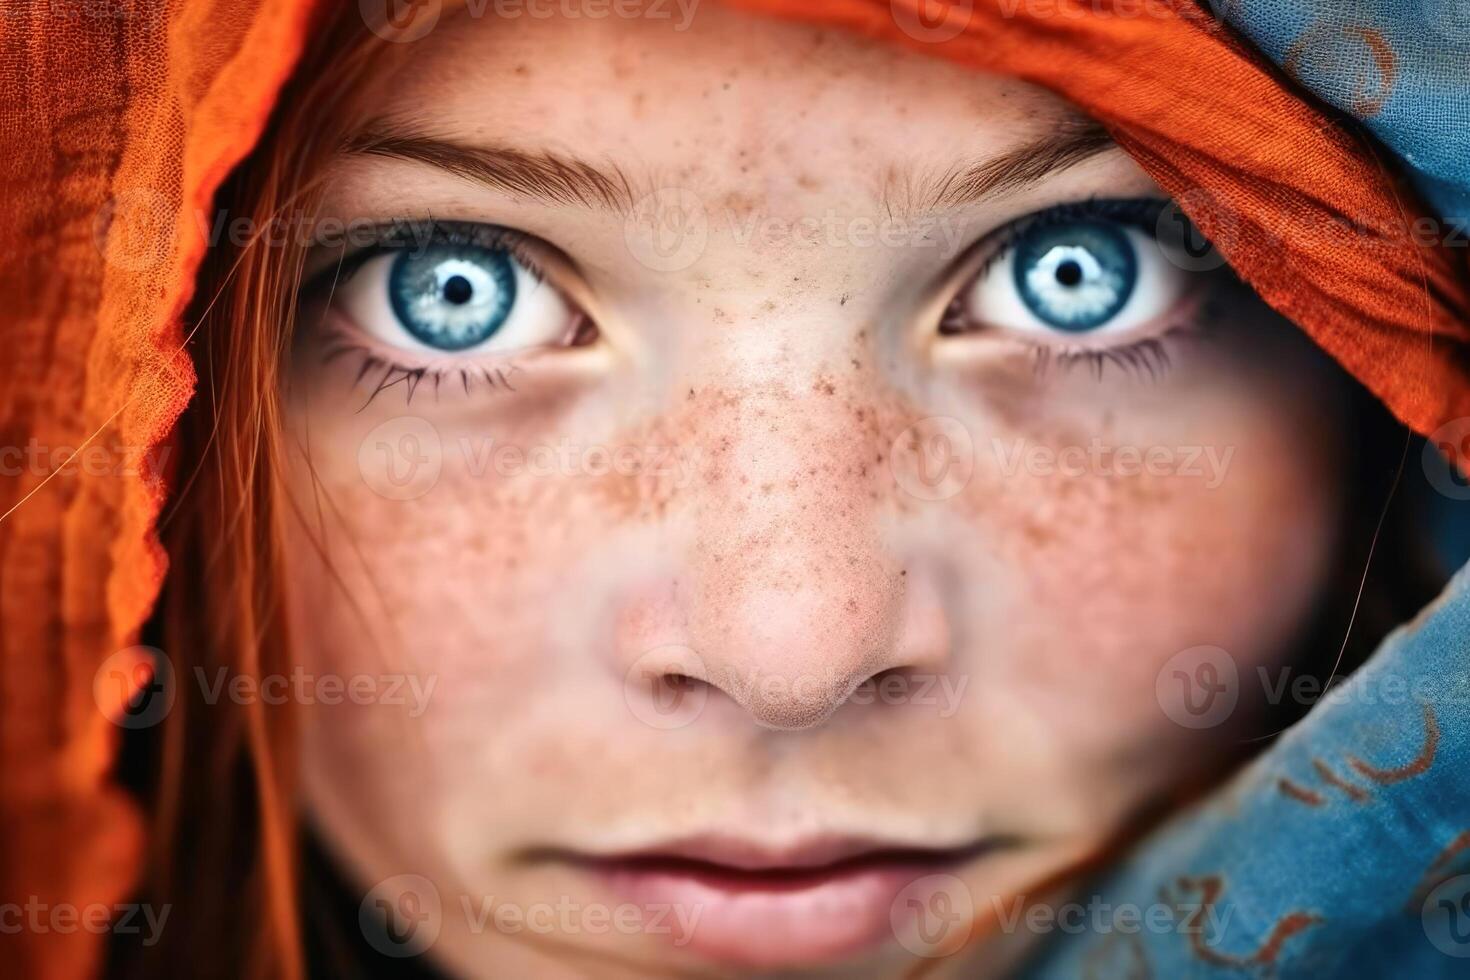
{"x": 1075, "y": 276}
{"x": 457, "y": 290}
{"x": 1069, "y": 273}
{"x": 452, "y": 297}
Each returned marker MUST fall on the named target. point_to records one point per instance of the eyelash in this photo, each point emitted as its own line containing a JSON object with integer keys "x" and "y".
{"x": 401, "y": 236}
{"x": 404, "y": 236}
{"x": 1147, "y": 358}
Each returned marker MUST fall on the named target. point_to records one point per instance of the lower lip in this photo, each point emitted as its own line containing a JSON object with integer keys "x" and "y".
{"x": 754, "y": 920}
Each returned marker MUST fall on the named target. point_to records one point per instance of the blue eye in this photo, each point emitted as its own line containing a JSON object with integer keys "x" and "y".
{"x": 452, "y": 297}
{"x": 1087, "y": 274}
{"x": 1075, "y": 277}
{"x": 465, "y": 297}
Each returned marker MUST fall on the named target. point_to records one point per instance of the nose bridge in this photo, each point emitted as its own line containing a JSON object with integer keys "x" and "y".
{"x": 795, "y": 599}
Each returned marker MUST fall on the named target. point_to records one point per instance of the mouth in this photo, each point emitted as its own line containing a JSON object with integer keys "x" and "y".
{"x": 741, "y": 903}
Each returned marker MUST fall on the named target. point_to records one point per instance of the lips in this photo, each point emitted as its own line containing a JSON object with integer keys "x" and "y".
{"x": 744, "y": 904}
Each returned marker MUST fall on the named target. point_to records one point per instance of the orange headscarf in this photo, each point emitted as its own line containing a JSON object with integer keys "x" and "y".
{"x": 121, "y": 124}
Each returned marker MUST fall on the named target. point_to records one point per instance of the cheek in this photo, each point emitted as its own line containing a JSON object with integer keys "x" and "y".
{"x": 1103, "y": 541}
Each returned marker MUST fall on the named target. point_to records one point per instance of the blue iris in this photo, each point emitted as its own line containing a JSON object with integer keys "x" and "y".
{"x": 452, "y": 297}
{"x": 1075, "y": 276}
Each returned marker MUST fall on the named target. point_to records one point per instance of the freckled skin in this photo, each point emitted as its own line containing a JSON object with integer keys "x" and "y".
{"x": 765, "y": 390}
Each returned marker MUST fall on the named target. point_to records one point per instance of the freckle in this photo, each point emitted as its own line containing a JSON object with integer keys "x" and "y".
{"x": 522, "y": 70}
{"x": 739, "y": 204}
{"x": 808, "y": 183}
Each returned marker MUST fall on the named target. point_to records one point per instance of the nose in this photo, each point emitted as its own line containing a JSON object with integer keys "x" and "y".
{"x": 791, "y": 593}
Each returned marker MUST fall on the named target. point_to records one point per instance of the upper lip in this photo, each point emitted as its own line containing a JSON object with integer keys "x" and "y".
{"x": 748, "y": 855}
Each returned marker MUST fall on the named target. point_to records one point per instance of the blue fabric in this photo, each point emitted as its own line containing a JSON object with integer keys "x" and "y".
{"x": 1355, "y": 870}
{"x": 1402, "y": 67}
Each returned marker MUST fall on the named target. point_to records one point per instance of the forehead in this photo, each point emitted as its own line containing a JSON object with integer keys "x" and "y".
{"x": 724, "y": 100}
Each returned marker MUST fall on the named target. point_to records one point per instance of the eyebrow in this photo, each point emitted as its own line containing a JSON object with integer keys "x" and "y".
{"x": 566, "y": 180}
{"x": 1077, "y": 139}
{"x": 546, "y": 176}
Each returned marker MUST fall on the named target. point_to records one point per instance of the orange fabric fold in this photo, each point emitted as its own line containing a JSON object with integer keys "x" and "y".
{"x": 119, "y": 122}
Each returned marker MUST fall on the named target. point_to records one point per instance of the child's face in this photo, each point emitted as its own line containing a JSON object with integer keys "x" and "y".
{"x": 739, "y": 542}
